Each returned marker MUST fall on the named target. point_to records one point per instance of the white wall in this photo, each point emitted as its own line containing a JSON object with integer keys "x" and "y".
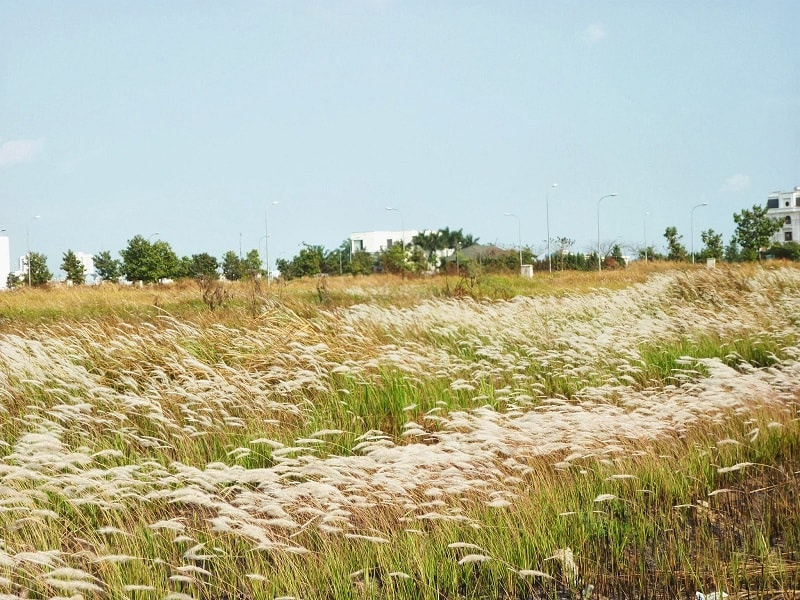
{"x": 788, "y": 206}
{"x": 376, "y": 241}
{"x": 5, "y": 261}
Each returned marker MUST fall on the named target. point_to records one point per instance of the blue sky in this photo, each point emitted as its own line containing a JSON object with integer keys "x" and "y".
{"x": 192, "y": 119}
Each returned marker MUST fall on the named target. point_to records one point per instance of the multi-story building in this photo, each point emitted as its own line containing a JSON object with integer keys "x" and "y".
{"x": 786, "y": 207}
{"x": 378, "y": 241}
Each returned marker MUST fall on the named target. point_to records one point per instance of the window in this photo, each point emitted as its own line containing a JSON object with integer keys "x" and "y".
{"x": 358, "y": 245}
{"x": 772, "y": 203}
{"x": 388, "y": 243}
{"x": 787, "y": 236}
{"x": 797, "y": 201}
{"x": 787, "y": 203}
{"x": 788, "y": 220}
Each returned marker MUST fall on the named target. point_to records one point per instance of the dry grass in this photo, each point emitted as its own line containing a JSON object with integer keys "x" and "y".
{"x": 403, "y": 445}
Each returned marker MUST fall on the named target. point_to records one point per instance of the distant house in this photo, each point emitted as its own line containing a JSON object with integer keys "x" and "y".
{"x": 786, "y": 207}
{"x": 378, "y": 241}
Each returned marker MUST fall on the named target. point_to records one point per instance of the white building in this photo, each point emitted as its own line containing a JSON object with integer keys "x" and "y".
{"x": 87, "y": 260}
{"x": 786, "y": 207}
{"x": 378, "y": 241}
{"x": 5, "y": 261}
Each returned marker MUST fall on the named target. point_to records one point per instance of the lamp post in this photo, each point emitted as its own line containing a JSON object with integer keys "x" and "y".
{"x": 402, "y": 225}
{"x": 519, "y": 237}
{"x": 600, "y": 262}
{"x": 547, "y": 212}
{"x": 150, "y": 237}
{"x": 691, "y": 224}
{"x": 28, "y": 245}
{"x": 647, "y": 214}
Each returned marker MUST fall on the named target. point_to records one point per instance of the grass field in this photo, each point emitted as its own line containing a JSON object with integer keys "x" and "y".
{"x": 630, "y": 434}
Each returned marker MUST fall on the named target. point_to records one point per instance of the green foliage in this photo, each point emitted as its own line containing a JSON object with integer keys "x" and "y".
{"x": 362, "y": 263}
{"x": 393, "y": 259}
{"x": 732, "y": 251}
{"x": 108, "y": 269}
{"x": 308, "y": 262}
{"x": 39, "y": 273}
{"x": 785, "y": 251}
{"x": 650, "y": 253}
{"x": 204, "y": 266}
{"x": 251, "y": 264}
{"x": 677, "y": 251}
{"x": 76, "y": 273}
{"x": 754, "y": 229}
{"x": 13, "y": 281}
{"x": 232, "y": 266}
{"x": 148, "y": 263}
{"x": 712, "y": 245}
{"x": 235, "y": 268}
{"x": 432, "y": 242}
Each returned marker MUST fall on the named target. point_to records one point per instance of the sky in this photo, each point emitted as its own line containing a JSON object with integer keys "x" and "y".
{"x": 211, "y": 124}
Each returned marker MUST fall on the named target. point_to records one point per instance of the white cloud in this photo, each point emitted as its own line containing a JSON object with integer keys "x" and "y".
{"x": 18, "y": 151}
{"x": 737, "y": 183}
{"x": 595, "y": 32}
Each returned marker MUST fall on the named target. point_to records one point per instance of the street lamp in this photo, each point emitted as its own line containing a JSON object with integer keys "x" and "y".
{"x": 152, "y": 235}
{"x": 547, "y": 211}
{"x": 266, "y": 239}
{"x": 647, "y": 214}
{"x": 599, "y": 262}
{"x": 402, "y": 224}
{"x": 28, "y": 245}
{"x": 519, "y": 237}
{"x": 691, "y": 225}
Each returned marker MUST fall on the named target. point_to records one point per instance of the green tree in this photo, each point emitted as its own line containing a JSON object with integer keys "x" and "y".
{"x": 232, "y": 267}
{"x": 362, "y": 263}
{"x": 732, "y": 252}
{"x": 148, "y": 263}
{"x": 13, "y": 281}
{"x": 786, "y": 250}
{"x": 337, "y": 261}
{"x": 677, "y": 251}
{"x": 393, "y": 259}
{"x": 251, "y": 265}
{"x": 203, "y": 265}
{"x": 754, "y": 229}
{"x": 308, "y": 262}
{"x": 712, "y": 245}
{"x": 165, "y": 261}
{"x": 39, "y": 273}
{"x": 108, "y": 269}
{"x": 76, "y": 272}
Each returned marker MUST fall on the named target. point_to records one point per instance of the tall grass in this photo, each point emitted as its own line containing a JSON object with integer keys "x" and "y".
{"x": 642, "y": 438}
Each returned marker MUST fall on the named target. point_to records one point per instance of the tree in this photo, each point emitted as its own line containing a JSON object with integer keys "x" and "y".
{"x": 787, "y": 250}
{"x": 308, "y": 262}
{"x": 362, "y": 263}
{"x": 754, "y": 229}
{"x": 13, "y": 281}
{"x": 732, "y": 252}
{"x": 148, "y": 263}
{"x": 393, "y": 259}
{"x": 203, "y": 266}
{"x": 108, "y": 269}
{"x": 251, "y": 265}
{"x": 39, "y": 273}
{"x": 232, "y": 266}
{"x": 76, "y": 272}
{"x": 165, "y": 261}
{"x": 712, "y": 244}
{"x": 677, "y": 251}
